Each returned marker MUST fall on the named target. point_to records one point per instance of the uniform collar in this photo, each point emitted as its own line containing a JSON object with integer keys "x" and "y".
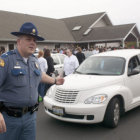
{"x": 31, "y": 58}
{"x": 19, "y": 57}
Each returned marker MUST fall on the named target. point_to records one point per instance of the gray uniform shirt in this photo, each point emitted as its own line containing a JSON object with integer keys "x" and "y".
{"x": 19, "y": 80}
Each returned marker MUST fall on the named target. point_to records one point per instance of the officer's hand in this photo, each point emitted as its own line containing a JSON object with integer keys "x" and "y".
{"x": 59, "y": 81}
{"x": 2, "y": 124}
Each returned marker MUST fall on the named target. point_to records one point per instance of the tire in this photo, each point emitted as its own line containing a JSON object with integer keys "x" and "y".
{"x": 112, "y": 115}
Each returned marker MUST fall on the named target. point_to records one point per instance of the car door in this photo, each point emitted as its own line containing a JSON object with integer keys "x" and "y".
{"x": 133, "y": 81}
{"x": 57, "y": 63}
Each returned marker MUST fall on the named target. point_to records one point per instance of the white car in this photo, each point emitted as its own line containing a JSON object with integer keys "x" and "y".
{"x": 104, "y": 87}
{"x": 58, "y": 63}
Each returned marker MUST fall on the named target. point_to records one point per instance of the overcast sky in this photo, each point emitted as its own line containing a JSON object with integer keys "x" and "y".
{"x": 119, "y": 11}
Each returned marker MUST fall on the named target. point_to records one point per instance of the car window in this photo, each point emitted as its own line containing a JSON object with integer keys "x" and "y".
{"x": 62, "y": 58}
{"x": 102, "y": 66}
{"x": 133, "y": 64}
{"x": 55, "y": 59}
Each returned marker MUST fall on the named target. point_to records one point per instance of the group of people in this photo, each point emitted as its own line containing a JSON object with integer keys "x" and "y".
{"x": 71, "y": 62}
{"x": 93, "y": 50}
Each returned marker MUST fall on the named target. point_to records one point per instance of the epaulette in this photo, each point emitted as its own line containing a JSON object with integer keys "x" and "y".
{"x": 7, "y": 54}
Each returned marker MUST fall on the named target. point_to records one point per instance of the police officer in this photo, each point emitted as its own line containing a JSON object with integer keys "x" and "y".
{"x": 19, "y": 78}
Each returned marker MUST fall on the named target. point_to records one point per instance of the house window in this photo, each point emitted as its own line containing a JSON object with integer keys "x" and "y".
{"x": 57, "y": 46}
{"x": 11, "y": 47}
{"x": 76, "y": 28}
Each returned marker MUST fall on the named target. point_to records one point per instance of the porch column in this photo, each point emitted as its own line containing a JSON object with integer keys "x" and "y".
{"x": 123, "y": 45}
{"x": 88, "y": 46}
{"x": 137, "y": 42}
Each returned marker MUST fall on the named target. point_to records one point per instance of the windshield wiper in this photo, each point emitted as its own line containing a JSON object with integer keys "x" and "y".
{"x": 94, "y": 74}
{"x": 78, "y": 72}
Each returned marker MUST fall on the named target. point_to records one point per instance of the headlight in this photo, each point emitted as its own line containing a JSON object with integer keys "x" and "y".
{"x": 97, "y": 99}
{"x": 50, "y": 91}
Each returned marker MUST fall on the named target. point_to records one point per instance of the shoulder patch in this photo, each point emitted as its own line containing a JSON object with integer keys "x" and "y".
{"x": 2, "y": 63}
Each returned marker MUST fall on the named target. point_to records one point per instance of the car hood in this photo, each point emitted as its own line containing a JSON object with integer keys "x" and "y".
{"x": 85, "y": 82}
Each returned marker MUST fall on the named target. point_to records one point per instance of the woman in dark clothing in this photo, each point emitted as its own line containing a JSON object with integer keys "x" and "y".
{"x": 50, "y": 63}
{"x": 80, "y": 56}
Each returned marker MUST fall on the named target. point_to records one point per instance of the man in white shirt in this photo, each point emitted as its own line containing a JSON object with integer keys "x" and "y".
{"x": 95, "y": 51}
{"x": 70, "y": 63}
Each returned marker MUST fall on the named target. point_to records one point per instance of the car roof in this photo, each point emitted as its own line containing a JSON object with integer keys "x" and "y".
{"x": 125, "y": 53}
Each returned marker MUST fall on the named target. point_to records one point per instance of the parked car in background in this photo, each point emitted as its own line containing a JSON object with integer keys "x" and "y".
{"x": 36, "y": 52}
{"x": 58, "y": 62}
{"x": 104, "y": 87}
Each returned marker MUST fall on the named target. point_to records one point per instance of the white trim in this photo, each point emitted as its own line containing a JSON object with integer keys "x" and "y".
{"x": 87, "y": 31}
{"x": 117, "y": 39}
{"x": 134, "y": 35}
{"x": 55, "y": 41}
{"x": 91, "y": 26}
{"x": 45, "y": 41}
{"x": 137, "y": 29}
{"x": 8, "y": 40}
{"x": 137, "y": 40}
{"x": 129, "y": 32}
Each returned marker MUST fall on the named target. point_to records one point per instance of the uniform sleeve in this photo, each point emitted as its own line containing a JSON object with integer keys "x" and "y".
{"x": 3, "y": 70}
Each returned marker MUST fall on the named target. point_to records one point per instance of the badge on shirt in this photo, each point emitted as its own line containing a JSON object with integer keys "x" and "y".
{"x": 2, "y": 63}
{"x": 17, "y": 66}
{"x": 36, "y": 65}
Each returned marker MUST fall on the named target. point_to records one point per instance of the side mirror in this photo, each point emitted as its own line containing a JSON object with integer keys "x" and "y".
{"x": 134, "y": 72}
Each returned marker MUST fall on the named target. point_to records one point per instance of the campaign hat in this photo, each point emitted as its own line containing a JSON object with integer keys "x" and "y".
{"x": 28, "y": 28}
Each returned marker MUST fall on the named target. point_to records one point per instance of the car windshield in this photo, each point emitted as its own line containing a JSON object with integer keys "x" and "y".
{"x": 102, "y": 65}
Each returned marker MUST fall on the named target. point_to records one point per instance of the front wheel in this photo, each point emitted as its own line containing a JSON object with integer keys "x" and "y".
{"x": 112, "y": 115}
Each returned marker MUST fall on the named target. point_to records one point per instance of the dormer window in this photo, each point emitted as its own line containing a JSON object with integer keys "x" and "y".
{"x": 87, "y": 31}
{"x": 76, "y": 28}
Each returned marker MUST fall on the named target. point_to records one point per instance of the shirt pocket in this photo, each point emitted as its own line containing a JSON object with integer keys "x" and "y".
{"x": 18, "y": 77}
{"x": 37, "y": 76}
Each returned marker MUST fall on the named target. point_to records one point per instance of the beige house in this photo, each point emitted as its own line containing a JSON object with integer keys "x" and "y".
{"x": 86, "y": 31}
